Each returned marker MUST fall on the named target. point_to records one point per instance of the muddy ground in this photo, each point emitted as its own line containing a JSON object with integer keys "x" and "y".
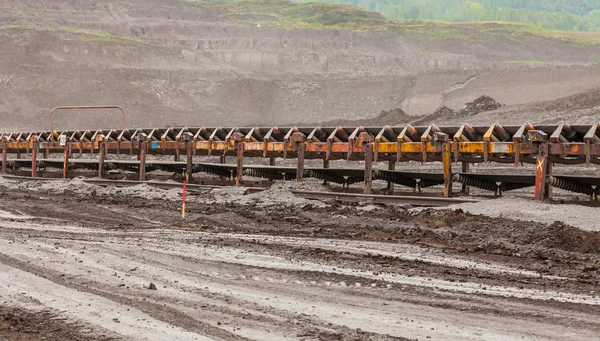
{"x": 128, "y": 267}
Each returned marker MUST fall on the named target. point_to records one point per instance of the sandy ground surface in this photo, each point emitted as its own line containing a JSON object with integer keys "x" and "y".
{"x": 122, "y": 264}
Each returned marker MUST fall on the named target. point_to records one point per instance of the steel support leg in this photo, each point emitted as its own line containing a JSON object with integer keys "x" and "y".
{"x": 326, "y": 164}
{"x": 15, "y": 167}
{"x": 548, "y": 186}
{"x": 240, "y": 164}
{"x": 222, "y": 160}
{"x": 4, "y": 158}
{"x": 189, "y": 167}
{"x": 465, "y": 169}
{"x": 447, "y": 162}
{"x": 541, "y": 174}
{"x": 300, "y": 167}
{"x": 66, "y": 154}
{"x": 368, "y": 168}
{"x": 142, "y": 170}
{"x": 34, "y": 152}
{"x": 101, "y": 157}
{"x": 391, "y": 166}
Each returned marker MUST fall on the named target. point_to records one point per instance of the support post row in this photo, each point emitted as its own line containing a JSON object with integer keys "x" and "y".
{"x": 143, "y": 145}
{"x": 66, "y": 154}
{"x": 33, "y": 142}
{"x": 543, "y": 167}
{"x": 298, "y": 140}
{"x": 326, "y": 164}
{"x": 188, "y": 137}
{"x": 368, "y": 168}
{"x": 101, "y": 155}
{"x": 391, "y": 167}
{"x": 238, "y": 143}
{"x": 4, "y": 157}
{"x": 465, "y": 170}
{"x": 443, "y": 140}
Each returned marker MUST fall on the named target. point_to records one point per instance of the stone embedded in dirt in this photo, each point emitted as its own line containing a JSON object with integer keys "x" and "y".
{"x": 151, "y": 286}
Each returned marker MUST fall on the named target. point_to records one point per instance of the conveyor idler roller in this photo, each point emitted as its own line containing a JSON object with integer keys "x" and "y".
{"x": 265, "y": 174}
{"x": 473, "y": 181}
{"x": 395, "y": 178}
{"x": 327, "y": 176}
{"x": 570, "y": 185}
{"x": 203, "y": 168}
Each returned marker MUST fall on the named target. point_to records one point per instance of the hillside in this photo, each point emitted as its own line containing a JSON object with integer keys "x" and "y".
{"x": 171, "y": 62}
{"x": 568, "y": 15}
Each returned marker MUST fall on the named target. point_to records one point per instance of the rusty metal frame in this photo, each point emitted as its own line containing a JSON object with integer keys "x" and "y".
{"x": 565, "y": 144}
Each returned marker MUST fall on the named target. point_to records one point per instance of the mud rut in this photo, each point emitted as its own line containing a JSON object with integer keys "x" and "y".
{"x": 231, "y": 272}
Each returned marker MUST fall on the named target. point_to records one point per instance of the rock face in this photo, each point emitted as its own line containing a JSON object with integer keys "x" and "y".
{"x": 175, "y": 63}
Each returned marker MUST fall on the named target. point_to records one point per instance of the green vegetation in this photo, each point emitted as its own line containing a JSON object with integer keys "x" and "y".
{"x": 20, "y": 27}
{"x": 567, "y": 15}
{"x": 83, "y": 34}
{"x": 286, "y": 14}
{"x": 290, "y": 15}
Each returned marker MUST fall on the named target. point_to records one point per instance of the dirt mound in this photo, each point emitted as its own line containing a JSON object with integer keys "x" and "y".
{"x": 444, "y": 111}
{"x": 481, "y": 104}
{"x": 585, "y": 100}
{"x": 572, "y": 239}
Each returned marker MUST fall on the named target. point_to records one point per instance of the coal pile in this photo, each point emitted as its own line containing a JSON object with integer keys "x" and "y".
{"x": 444, "y": 111}
{"x": 482, "y": 104}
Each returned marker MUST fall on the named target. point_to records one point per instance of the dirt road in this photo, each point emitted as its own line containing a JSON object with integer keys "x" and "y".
{"x": 122, "y": 267}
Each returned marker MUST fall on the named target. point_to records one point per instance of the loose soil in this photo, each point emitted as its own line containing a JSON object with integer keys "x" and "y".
{"x": 303, "y": 271}
{"x": 22, "y": 325}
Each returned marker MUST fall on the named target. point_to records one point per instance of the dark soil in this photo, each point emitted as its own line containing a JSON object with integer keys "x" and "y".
{"x": 22, "y": 325}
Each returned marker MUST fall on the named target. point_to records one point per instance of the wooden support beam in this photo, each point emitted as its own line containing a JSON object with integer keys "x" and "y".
{"x": 300, "y": 167}
{"x": 142, "y": 157}
{"x": 368, "y": 189}
{"x": 541, "y": 173}
{"x": 447, "y": 162}
{"x": 271, "y": 161}
{"x": 465, "y": 169}
{"x": 240, "y": 163}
